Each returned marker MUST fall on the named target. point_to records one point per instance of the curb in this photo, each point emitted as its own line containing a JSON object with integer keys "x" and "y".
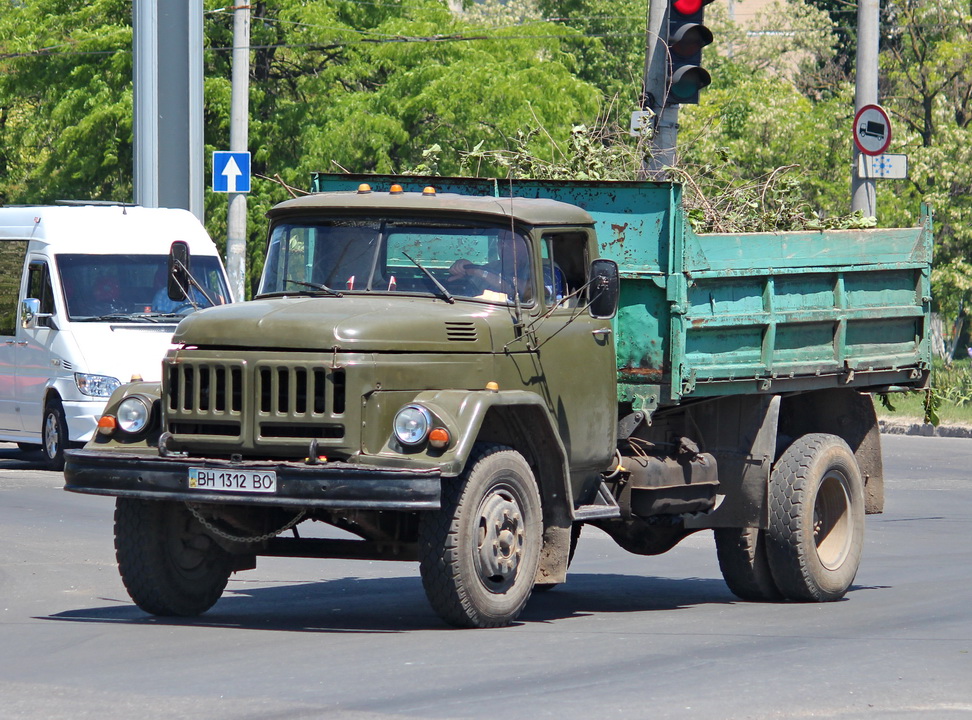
{"x": 891, "y": 427}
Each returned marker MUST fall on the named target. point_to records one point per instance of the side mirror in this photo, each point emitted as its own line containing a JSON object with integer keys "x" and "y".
{"x": 605, "y": 289}
{"x": 30, "y": 313}
{"x": 178, "y": 270}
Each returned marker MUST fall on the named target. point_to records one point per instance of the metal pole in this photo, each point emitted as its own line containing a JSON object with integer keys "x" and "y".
{"x": 239, "y": 129}
{"x": 145, "y": 88}
{"x": 863, "y": 191}
{"x": 665, "y": 122}
{"x": 168, "y": 100}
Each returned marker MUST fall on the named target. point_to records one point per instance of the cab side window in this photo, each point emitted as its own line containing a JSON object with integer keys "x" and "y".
{"x": 39, "y": 287}
{"x": 12, "y": 254}
{"x": 564, "y": 258}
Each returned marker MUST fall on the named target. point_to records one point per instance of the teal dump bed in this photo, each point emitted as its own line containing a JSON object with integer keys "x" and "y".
{"x": 717, "y": 314}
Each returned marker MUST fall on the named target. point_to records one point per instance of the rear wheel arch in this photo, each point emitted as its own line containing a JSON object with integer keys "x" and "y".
{"x": 849, "y": 415}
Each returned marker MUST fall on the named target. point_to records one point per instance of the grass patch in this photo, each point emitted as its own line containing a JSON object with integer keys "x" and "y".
{"x": 952, "y": 386}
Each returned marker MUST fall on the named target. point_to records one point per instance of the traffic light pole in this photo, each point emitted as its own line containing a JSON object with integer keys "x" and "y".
{"x": 665, "y": 119}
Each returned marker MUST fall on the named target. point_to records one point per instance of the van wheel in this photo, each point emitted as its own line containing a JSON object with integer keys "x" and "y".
{"x": 816, "y": 528}
{"x": 54, "y": 436}
{"x": 480, "y": 551}
{"x": 167, "y": 561}
{"x": 744, "y": 566}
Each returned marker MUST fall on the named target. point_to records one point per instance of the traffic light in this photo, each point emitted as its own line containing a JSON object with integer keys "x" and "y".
{"x": 686, "y": 38}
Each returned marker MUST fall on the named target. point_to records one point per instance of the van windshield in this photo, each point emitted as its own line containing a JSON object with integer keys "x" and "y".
{"x": 418, "y": 256}
{"x": 118, "y": 287}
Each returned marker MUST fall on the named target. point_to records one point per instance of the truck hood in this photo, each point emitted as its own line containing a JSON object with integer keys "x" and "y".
{"x": 350, "y": 323}
{"x": 118, "y": 350}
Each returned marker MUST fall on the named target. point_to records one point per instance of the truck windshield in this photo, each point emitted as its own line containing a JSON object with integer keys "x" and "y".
{"x": 113, "y": 287}
{"x": 351, "y": 255}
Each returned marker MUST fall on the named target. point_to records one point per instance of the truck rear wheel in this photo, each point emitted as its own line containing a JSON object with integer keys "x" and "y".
{"x": 167, "y": 561}
{"x": 744, "y": 566}
{"x": 816, "y": 528}
{"x": 479, "y": 553}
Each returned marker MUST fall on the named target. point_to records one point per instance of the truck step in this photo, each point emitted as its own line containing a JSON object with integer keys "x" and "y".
{"x": 603, "y": 507}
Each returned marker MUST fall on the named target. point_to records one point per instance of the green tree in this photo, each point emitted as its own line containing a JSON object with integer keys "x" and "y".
{"x": 65, "y": 100}
{"x": 928, "y": 88}
{"x": 334, "y": 84}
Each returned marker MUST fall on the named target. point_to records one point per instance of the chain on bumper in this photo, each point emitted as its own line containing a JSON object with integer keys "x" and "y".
{"x": 192, "y": 508}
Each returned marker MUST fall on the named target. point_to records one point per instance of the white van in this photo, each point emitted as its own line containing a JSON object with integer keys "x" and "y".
{"x": 84, "y": 308}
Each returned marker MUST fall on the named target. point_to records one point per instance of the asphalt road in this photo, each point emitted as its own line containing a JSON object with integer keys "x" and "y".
{"x": 627, "y": 637}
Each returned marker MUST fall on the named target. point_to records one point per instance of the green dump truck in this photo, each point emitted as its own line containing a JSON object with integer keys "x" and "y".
{"x": 463, "y": 373}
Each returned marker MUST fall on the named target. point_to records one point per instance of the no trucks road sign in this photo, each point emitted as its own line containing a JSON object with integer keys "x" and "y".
{"x": 872, "y": 130}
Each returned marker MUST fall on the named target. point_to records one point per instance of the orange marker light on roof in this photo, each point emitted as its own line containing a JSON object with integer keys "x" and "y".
{"x": 364, "y": 189}
{"x": 395, "y": 189}
{"x": 429, "y": 190}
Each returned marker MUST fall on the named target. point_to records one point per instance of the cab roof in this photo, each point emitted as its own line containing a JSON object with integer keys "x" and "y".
{"x": 102, "y": 228}
{"x": 531, "y": 211}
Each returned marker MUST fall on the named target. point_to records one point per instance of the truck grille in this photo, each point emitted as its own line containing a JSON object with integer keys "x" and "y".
{"x": 260, "y": 401}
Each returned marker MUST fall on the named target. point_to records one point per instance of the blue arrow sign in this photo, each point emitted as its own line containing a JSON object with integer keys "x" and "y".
{"x": 231, "y": 172}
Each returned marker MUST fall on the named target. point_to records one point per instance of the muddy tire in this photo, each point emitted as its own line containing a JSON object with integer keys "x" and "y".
{"x": 744, "y": 566}
{"x": 168, "y": 563}
{"x": 816, "y": 529}
{"x": 54, "y": 434}
{"x": 478, "y": 554}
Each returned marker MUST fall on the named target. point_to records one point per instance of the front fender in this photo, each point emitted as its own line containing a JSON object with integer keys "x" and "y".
{"x": 152, "y": 393}
{"x": 464, "y": 412}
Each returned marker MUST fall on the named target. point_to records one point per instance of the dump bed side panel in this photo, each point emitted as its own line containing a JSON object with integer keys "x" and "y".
{"x": 771, "y": 312}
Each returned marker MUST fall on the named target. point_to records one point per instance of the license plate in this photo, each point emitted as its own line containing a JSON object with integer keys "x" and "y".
{"x": 253, "y": 481}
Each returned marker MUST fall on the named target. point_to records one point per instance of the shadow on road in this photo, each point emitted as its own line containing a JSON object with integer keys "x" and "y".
{"x": 13, "y": 458}
{"x": 392, "y": 605}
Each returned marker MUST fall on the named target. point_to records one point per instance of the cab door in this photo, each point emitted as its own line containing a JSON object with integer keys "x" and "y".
{"x": 33, "y": 347}
{"x": 12, "y": 254}
{"x": 575, "y": 357}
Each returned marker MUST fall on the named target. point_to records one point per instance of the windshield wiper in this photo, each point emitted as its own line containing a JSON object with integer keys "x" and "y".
{"x": 445, "y": 293}
{"x": 315, "y": 286}
{"x": 130, "y": 317}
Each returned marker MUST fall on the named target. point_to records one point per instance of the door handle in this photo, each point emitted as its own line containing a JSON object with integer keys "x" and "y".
{"x": 22, "y": 343}
{"x": 601, "y": 331}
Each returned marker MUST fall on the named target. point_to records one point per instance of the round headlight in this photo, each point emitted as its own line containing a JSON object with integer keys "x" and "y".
{"x": 133, "y": 414}
{"x": 412, "y": 424}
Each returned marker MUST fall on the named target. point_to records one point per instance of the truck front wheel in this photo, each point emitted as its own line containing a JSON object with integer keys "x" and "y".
{"x": 168, "y": 563}
{"x": 479, "y": 553}
{"x": 816, "y": 528}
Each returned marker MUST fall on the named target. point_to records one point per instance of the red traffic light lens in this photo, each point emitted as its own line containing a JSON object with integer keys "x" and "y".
{"x": 687, "y": 7}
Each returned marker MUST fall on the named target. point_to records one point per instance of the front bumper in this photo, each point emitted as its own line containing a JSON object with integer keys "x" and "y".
{"x": 329, "y": 485}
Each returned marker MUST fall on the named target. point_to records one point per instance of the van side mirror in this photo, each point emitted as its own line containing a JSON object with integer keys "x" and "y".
{"x": 178, "y": 278}
{"x": 30, "y": 314}
{"x": 605, "y": 289}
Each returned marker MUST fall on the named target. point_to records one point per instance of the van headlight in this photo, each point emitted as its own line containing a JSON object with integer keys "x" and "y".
{"x": 96, "y": 385}
{"x": 133, "y": 414}
{"x": 412, "y": 424}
